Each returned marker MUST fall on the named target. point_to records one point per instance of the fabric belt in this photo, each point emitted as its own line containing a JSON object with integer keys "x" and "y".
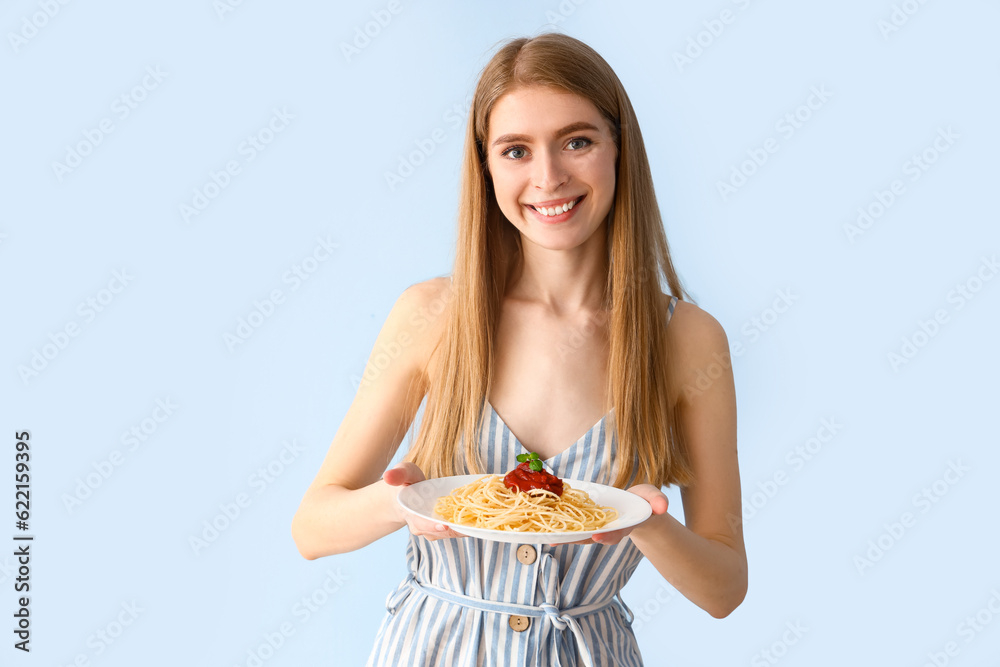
{"x": 561, "y": 619}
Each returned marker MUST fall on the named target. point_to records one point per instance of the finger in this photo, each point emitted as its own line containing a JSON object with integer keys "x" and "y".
{"x": 442, "y": 534}
{"x": 419, "y": 526}
{"x": 656, "y": 498}
{"x": 659, "y": 504}
{"x": 448, "y": 531}
{"x": 613, "y": 537}
{"x": 434, "y": 531}
{"x": 403, "y": 473}
{"x": 394, "y": 476}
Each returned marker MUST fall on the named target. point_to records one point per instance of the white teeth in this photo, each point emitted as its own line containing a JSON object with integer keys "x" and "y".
{"x": 556, "y": 210}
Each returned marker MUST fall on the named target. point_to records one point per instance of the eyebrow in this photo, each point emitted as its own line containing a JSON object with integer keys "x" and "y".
{"x": 569, "y": 129}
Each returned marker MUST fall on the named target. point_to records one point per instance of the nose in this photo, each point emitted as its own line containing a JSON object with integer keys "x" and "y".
{"x": 550, "y": 172}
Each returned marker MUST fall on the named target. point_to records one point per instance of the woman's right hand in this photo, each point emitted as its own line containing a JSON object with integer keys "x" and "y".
{"x": 404, "y": 474}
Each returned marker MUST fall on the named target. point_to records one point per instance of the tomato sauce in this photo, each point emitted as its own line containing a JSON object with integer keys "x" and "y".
{"x": 523, "y": 478}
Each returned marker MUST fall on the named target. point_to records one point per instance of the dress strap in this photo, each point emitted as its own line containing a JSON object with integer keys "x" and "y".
{"x": 670, "y": 308}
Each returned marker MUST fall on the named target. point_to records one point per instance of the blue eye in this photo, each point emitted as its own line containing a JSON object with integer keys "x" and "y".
{"x": 513, "y": 148}
{"x": 586, "y": 142}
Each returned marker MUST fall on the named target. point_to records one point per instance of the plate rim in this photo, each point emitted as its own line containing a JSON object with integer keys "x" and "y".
{"x": 527, "y": 537}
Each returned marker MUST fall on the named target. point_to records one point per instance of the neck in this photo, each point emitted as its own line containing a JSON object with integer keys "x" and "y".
{"x": 562, "y": 281}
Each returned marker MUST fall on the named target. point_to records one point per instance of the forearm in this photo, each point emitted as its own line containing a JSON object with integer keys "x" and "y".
{"x": 707, "y": 572}
{"x": 333, "y": 520}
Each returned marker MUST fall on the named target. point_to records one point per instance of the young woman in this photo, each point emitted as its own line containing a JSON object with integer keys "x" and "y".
{"x": 553, "y": 313}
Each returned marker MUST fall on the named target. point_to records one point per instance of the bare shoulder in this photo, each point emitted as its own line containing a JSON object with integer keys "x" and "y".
{"x": 428, "y": 290}
{"x": 698, "y": 346}
{"x": 419, "y": 316}
{"x": 427, "y": 301}
{"x": 390, "y": 391}
{"x": 694, "y": 328}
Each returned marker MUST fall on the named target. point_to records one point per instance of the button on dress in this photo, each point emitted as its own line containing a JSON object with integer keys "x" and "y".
{"x": 468, "y": 602}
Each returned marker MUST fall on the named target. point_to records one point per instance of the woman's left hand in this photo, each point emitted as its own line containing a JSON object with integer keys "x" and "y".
{"x": 656, "y": 499}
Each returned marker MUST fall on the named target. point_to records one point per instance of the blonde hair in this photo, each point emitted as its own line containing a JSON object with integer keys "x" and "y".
{"x": 488, "y": 246}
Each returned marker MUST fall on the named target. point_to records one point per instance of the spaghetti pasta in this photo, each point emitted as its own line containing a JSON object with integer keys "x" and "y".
{"x": 489, "y": 503}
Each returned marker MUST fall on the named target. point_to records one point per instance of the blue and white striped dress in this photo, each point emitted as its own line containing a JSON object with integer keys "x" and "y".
{"x": 454, "y": 608}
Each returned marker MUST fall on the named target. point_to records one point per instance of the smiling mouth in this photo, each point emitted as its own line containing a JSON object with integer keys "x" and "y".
{"x": 551, "y": 211}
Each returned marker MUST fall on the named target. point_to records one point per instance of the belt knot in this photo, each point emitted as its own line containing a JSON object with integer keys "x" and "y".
{"x": 554, "y": 614}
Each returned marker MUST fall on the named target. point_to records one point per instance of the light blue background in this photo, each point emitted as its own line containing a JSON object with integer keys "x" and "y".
{"x": 162, "y": 336}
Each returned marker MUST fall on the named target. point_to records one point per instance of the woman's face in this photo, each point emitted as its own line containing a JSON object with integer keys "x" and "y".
{"x": 548, "y": 149}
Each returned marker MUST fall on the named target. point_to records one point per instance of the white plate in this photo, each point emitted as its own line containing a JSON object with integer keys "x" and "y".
{"x": 421, "y": 497}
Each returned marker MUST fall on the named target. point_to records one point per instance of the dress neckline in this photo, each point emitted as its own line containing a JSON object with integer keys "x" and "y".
{"x": 670, "y": 313}
{"x": 561, "y": 452}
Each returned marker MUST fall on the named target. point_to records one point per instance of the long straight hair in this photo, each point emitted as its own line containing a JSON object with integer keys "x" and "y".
{"x": 488, "y": 246}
